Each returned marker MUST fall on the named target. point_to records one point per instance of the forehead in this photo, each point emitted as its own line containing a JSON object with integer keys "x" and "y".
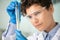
{"x": 34, "y": 6}
{"x": 33, "y": 9}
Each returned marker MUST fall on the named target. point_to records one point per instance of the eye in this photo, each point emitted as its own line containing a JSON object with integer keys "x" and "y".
{"x": 36, "y": 13}
{"x": 29, "y": 17}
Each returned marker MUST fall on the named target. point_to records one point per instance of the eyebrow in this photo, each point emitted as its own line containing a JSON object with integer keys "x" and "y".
{"x": 36, "y": 12}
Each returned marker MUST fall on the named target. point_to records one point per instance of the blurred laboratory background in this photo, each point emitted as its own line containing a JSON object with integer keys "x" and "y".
{"x": 25, "y": 26}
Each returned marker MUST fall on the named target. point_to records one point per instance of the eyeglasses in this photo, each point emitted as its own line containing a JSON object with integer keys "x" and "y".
{"x": 36, "y": 13}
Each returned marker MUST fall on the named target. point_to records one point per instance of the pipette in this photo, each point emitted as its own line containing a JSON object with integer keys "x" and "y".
{"x": 18, "y": 15}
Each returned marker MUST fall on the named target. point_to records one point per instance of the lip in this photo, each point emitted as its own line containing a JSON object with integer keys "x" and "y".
{"x": 38, "y": 24}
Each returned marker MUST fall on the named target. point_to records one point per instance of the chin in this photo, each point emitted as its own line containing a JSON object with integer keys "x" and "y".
{"x": 41, "y": 29}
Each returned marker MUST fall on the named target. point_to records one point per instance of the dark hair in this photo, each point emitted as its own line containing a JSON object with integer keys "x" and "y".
{"x": 27, "y": 3}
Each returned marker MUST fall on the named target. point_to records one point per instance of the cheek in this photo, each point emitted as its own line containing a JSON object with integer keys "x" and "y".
{"x": 45, "y": 18}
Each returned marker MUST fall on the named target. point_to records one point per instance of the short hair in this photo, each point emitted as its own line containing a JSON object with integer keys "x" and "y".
{"x": 27, "y": 3}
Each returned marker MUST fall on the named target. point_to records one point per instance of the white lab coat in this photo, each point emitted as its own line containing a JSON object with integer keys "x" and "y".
{"x": 9, "y": 33}
{"x": 36, "y": 36}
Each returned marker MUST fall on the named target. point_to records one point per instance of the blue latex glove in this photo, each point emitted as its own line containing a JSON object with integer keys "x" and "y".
{"x": 11, "y": 11}
{"x": 19, "y": 35}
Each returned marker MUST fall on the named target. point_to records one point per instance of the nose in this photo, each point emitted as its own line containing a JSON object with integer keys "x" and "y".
{"x": 35, "y": 20}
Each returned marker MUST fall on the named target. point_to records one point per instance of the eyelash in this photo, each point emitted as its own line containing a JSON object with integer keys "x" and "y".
{"x": 29, "y": 17}
{"x": 37, "y": 13}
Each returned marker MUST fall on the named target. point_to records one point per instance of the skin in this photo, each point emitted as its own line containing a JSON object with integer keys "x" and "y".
{"x": 40, "y": 17}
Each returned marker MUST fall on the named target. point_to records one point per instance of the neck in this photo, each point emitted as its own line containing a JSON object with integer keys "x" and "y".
{"x": 53, "y": 24}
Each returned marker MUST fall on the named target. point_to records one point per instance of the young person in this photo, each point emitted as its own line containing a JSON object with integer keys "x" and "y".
{"x": 40, "y": 13}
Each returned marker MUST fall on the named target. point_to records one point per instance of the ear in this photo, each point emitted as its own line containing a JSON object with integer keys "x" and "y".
{"x": 51, "y": 9}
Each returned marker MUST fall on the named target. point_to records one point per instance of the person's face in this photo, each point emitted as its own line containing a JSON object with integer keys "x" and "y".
{"x": 39, "y": 16}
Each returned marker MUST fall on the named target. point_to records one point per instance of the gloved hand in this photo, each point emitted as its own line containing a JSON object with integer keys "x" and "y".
{"x": 11, "y": 11}
{"x": 19, "y": 35}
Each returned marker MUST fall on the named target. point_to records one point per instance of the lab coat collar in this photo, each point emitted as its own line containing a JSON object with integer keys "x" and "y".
{"x": 54, "y": 30}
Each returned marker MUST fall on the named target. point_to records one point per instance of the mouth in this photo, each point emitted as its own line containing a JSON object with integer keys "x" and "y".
{"x": 39, "y": 24}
